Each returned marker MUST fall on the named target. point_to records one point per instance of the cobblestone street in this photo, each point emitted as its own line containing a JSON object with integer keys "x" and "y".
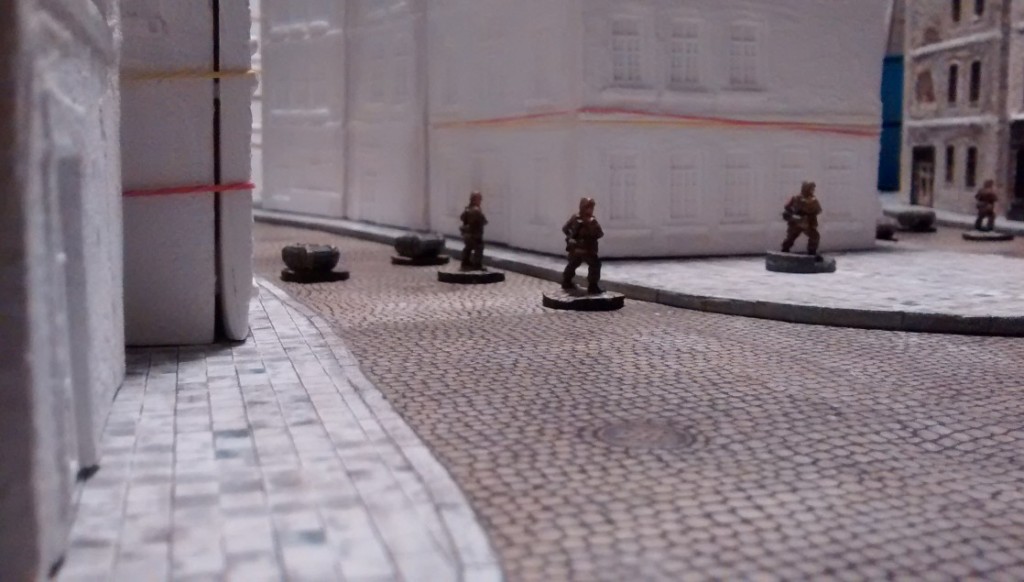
{"x": 655, "y": 443}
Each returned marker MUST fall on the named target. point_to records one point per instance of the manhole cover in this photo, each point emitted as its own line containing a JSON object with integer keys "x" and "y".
{"x": 646, "y": 435}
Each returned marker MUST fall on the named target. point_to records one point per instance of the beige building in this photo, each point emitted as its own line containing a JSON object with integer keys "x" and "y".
{"x": 962, "y": 110}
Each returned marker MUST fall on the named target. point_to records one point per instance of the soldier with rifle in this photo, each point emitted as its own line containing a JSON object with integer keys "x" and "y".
{"x": 581, "y": 234}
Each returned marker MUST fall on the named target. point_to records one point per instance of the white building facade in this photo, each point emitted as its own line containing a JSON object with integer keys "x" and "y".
{"x": 690, "y": 121}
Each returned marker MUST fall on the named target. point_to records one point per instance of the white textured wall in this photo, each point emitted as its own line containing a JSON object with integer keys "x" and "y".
{"x": 386, "y": 112}
{"x": 61, "y": 284}
{"x": 303, "y": 105}
{"x": 677, "y": 168}
{"x": 522, "y": 100}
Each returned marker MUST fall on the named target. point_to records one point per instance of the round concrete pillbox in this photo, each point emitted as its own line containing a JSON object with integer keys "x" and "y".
{"x": 309, "y": 263}
{"x": 580, "y": 301}
{"x": 419, "y": 245}
{"x": 917, "y": 219}
{"x": 470, "y": 277}
{"x": 799, "y": 264}
{"x": 987, "y": 236}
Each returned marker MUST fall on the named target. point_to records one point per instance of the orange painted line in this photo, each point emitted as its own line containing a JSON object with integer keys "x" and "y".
{"x": 669, "y": 119}
{"x": 190, "y": 189}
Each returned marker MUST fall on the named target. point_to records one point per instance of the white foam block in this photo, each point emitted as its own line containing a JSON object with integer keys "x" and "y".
{"x": 235, "y": 207}
{"x": 167, "y": 141}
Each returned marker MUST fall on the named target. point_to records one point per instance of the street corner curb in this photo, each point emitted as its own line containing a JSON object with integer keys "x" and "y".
{"x": 947, "y": 323}
{"x": 634, "y": 291}
{"x": 1008, "y": 326}
{"x": 861, "y": 318}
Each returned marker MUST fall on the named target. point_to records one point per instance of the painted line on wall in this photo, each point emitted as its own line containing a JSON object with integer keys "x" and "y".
{"x": 199, "y": 189}
{"x": 186, "y": 74}
{"x": 606, "y": 115}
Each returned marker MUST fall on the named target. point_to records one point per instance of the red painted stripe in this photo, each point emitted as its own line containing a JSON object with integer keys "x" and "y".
{"x": 190, "y": 189}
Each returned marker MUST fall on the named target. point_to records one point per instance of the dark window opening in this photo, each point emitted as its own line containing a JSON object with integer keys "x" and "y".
{"x": 971, "y": 175}
{"x": 954, "y": 78}
{"x": 975, "y": 81}
{"x": 979, "y": 7}
{"x": 956, "y": 11}
{"x": 950, "y": 163}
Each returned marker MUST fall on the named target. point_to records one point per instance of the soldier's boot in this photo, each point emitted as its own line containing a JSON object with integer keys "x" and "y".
{"x": 813, "y": 238}
{"x": 594, "y": 277}
{"x": 466, "y": 264}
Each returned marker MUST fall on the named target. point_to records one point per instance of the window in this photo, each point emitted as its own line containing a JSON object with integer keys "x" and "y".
{"x": 975, "y": 82}
{"x": 924, "y": 89}
{"x": 979, "y": 7}
{"x": 622, "y": 186}
{"x": 626, "y": 49}
{"x": 953, "y": 79}
{"x": 950, "y": 163}
{"x": 684, "y": 181}
{"x": 971, "y": 175}
{"x": 956, "y": 10}
{"x": 743, "y": 57}
{"x": 685, "y": 54}
{"x": 739, "y": 186}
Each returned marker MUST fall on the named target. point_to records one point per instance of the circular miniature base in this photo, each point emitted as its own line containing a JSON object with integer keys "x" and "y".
{"x": 291, "y": 276}
{"x": 470, "y": 277}
{"x": 581, "y": 301}
{"x": 420, "y": 261}
{"x": 779, "y": 262}
{"x": 987, "y": 236}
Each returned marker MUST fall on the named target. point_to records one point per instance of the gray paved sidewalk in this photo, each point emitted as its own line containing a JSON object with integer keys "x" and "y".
{"x": 893, "y": 287}
{"x": 275, "y": 459}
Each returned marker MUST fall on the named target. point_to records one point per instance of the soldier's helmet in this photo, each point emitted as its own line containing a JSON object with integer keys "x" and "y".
{"x": 807, "y": 188}
{"x": 587, "y": 203}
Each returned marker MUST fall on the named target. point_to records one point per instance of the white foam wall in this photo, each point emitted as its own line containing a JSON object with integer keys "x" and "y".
{"x": 501, "y": 89}
{"x": 532, "y": 173}
{"x": 303, "y": 106}
{"x": 386, "y": 132}
{"x": 62, "y": 325}
{"x": 172, "y": 277}
{"x": 167, "y": 140}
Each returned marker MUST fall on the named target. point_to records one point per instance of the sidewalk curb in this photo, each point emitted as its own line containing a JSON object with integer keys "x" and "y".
{"x": 787, "y": 312}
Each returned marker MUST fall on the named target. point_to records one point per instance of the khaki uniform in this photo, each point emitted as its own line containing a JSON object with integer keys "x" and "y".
{"x": 802, "y": 215}
{"x": 986, "y": 208}
{"x": 472, "y": 229}
{"x": 584, "y": 250}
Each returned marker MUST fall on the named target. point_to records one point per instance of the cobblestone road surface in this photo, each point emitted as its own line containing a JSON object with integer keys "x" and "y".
{"x": 761, "y": 448}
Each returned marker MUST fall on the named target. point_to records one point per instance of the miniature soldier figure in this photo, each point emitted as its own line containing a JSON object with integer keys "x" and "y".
{"x": 801, "y": 212}
{"x": 581, "y": 233}
{"x": 986, "y": 198}
{"x": 472, "y": 230}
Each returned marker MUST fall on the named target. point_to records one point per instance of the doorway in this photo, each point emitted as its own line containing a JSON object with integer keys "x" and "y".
{"x": 922, "y": 184}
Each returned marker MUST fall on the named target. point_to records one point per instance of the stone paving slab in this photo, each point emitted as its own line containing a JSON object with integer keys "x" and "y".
{"x": 272, "y": 459}
{"x": 890, "y": 288}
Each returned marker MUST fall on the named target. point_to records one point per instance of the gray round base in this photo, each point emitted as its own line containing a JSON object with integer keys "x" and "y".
{"x": 291, "y": 276}
{"x": 470, "y": 277}
{"x": 987, "y": 236}
{"x": 580, "y": 301}
{"x": 798, "y": 263}
{"x": 420, "y": 261}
